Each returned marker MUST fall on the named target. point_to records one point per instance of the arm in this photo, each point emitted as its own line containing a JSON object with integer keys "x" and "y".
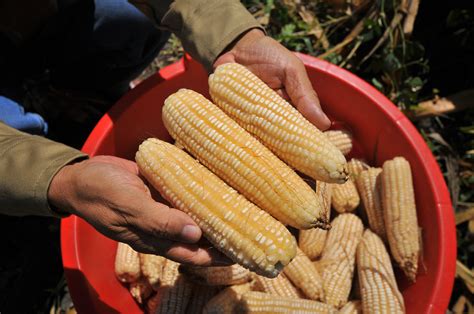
{"x": 220, "y": 31}
{"x": 38, "y": 174}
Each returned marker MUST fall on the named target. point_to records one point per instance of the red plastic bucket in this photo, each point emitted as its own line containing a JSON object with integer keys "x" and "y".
{"x": 380, "y": 131}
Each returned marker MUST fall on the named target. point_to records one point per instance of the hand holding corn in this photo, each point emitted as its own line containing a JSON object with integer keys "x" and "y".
{"x": 108, "y": 193}
{"x": 280, "y": 69}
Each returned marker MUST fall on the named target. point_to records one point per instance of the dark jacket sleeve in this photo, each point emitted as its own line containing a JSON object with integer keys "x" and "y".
{"x": 205, "y": 27}
{"x": 27, "y": 165}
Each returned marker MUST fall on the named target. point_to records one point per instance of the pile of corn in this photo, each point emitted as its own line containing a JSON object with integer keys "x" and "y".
{"x": 233, "y": 170}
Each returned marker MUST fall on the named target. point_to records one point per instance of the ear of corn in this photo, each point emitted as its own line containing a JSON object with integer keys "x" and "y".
{"x": 218, "y": 276}
{"x": 377, "y": 282}
{"x": 341, "y": 139}
{"x": 263, "y": 113}
{"x": 259, "y": 302}
{"x": 399, "y": 210}
{"x": 339, "y": 258}
{"x": 240, "y": 160}
{"x": 127, "y": 263}
{"x": 312, "y": 241}
{"x": 201, "y": 294}
{"x": 140, "y": 290}
{"x": 345, "y": 197}
{"x": 227, "y": 300}
{"x": 351, "y": 307}
{"x": 174, "y": 292}
{"x": 304, "y": 276}
{"x": 152, "y": 268}
{"x": 277, "y": 286}
{"x": 246, "y": 234}
{"x": 368, "y": 184}
{"x": 355, "y": 167}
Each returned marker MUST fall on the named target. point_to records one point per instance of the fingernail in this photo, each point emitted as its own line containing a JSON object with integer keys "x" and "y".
{"x": 191, "y": 233}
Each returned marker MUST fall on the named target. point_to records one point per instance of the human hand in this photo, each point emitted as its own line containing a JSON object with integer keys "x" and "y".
{"x": 108, "y": 193}
{"x": 280, "y": 69}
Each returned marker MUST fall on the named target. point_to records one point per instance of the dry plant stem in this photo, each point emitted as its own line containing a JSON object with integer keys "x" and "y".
{"x": 393, "y": 24}
{"x": 411, "y": 16}
{"x": 466, "y": 275}
{"x": 316, "y": 28}
{"x": 439, "y": 106}
{"x": 464, "y": 216}
{"x": 358, "y": 28}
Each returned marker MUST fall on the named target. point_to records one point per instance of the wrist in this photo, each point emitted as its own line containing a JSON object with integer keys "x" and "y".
{"x": 58, "y": 191}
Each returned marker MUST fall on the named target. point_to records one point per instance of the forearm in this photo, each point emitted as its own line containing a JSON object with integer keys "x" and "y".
{"x": 206, "y": 27}
{"x": 28, "y": 164}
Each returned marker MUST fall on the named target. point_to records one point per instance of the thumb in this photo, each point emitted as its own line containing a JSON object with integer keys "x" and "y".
{"x": 304, "y": 97}
{"x": 161, "y": 221}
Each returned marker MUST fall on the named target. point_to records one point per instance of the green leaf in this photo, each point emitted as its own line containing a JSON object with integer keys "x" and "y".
{"x": 377, "y": 84}
{"x": 467, "y": 129}
{"x": 391, "y": 63}
{"x": 414, "y": 83}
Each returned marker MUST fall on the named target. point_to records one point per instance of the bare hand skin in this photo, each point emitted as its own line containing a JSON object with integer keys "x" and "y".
{"x": 281, "y": 70}
{"x": 108, "y": 193}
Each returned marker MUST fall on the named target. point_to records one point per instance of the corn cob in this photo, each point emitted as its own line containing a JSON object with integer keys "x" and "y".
{"x": 304, "y": 276}
{"x": 277, "y": 286}
{"x": 277, "y": 124}
{"x": 218, "y": 276}
{"x": 225, "y": 302}
{"x": 127, "y": 263}
{"x": 259, "y": 302}
{"x": 377, "y": 282}
{"x": 399, "y": 210}
{"x": 312, "y": 241}
{"x": 174, "y": 291}
{"x": 240, "y": 160}
{"x": 355, "y": 167}
{"x": 201, "y": 294}
{"x": 339, "y": 258}
{"x": 246, "y": 234}
{"x": 368, "y": 184}
{"x": 152, "y": 268}
{"x": 345, "y": 197}
{"x": 351, "y": 307}
{"x": 140, "y": 290}
{"x": 341, "y": 139}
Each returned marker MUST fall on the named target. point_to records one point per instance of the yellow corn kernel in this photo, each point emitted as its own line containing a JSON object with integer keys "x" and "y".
{"x": 218, "y": 276}
{"x": 140, "y": 290}
{"x": 377, "y": 282}
{"x": 304, "y": 276}
{"x": 276, "y": 123}
{"x": 342, "y": 139}
{"x": 401, "y": 224}
{"x": 339, "y": 258}
{"x": 345, "y": 197}
{"x": 259, "y": 302}
{"x": 240, "y": 160}
{"x": 277, "y": 286}
{"x": 246, "y": 234}
{"x": 351, "y": 307}
{"x": 152, "y": 268}
{"x": 200, "y": 296}
{"x": 368, "y": 184}
{"x": 174, "y": 292}
{"x": 355, "y": 167}
{"x": 127, "y": 263}
{"x": 227, "y": 300}
{"x": 312, "y": 241}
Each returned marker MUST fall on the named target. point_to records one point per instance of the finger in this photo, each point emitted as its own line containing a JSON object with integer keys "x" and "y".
{"x": 161, "y": 221}
{"x": 194, "y": 255}
{"x": 283, "y": 94}
{"x": 303, "y": 96}
{"x": 191, "y": 254}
